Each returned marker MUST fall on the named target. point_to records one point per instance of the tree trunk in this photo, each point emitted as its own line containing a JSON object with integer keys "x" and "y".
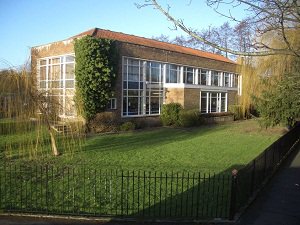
{"x": 53, "y": 143}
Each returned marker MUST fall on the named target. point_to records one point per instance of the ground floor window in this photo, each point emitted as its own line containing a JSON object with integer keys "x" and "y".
{"x": 142, "y": 87}
{"x": 56, "y": 79}
{"x": 213, "y": 102}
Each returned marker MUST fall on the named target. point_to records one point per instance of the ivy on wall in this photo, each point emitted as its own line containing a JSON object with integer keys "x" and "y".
{"x": 95, "y": 72}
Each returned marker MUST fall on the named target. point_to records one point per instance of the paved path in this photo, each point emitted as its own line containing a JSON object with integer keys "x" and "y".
{"x": 279, "y": 203}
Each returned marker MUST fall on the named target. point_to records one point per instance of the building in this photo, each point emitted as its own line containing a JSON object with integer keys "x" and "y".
{"x": 150, "y": 73}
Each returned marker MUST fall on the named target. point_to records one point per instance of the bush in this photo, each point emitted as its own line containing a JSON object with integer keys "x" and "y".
{"x": 103, "y": 122}
{"x": 170, "y": 114}
{"x": 237, "y": 111}
{"x": 189, "y": 118}
{"x": 127, "y": 126}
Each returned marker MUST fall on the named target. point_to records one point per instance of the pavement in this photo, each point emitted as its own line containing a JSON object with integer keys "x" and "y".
{"x": 279, "y": 202}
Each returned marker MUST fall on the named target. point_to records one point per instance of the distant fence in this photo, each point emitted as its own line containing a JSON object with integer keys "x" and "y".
{"x": 251, "y": 178}
{"x": 137, "y": 194}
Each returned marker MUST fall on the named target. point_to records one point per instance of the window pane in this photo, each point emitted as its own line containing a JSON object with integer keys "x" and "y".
{"x": 43, "y": 73}
{"x": 204, "y": 77}
{"x": 43, "y": 84}
{"x": 55, "y": 73}
{"x": 203, "y": 102}
{"x": 43, "y": 62}
{"x": 133, "y": 106}
{"x": 70, "y": 71}
{"x": 213, "y": 106}
{"x": 69, "y": 83}
{"x": 133, "y": 85}
{"x": 70, "y": 58}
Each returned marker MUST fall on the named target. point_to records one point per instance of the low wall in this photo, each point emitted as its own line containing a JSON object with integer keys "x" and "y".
{"x": 218, "y": 119}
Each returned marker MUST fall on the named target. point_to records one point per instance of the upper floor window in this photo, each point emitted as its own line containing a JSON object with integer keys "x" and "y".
{"x": 216, "y": 78}
{"x": 173, "y": 74}
{"x": 203, "y": 77}
{"x": 226, "y": 79}
{"x": 189, "y": 75}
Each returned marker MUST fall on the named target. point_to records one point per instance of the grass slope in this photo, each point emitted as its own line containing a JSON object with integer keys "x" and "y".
{"x": 206, "y": 148}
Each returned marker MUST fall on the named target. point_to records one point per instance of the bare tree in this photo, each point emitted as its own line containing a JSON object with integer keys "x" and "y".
{"x": 269, "y": 18}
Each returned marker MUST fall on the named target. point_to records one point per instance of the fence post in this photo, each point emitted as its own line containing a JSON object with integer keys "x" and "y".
{"x": 232, "y": 208}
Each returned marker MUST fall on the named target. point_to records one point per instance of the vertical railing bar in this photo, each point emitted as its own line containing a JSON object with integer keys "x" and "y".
{"x": 171, "y": 197}
{"x": 63, "y": 189}
{"x": 187, "y": 195}
{"x": 203, "y": 195}
{"x": 181, "y": 194}
{"x": 198, "y": 196}
{"x": 176, "y": 199}
{"x": 138, "y": 192}
{"x": 95, "y": 192}
{"x": 122, "y": 186}
{"x": 213, "y": 194}
{"x": 160, "y": 187}
{"x": 74, "y": 189}
{"x": 193, "y": 190}
{"x": 149, "y": 193}
{"x": 116, "y": 190}
{"x": 127, "y": 194}
{"x": 166, "y": 194}
{"x": 133, "y": 195}
{"x": 100, "y": 192}
{"x": 217, "y": 200}
{"x": 111, "y": 192}
{"x": 144, "y": 193}
{"x": 154, "y": 202}
{"x": 47, "y": 180}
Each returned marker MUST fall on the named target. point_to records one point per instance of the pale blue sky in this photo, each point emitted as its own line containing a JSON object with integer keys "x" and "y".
{"x": 27, "y": 23}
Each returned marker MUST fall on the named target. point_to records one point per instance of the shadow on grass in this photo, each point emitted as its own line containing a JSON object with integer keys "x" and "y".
{"x": 139, "y": 139}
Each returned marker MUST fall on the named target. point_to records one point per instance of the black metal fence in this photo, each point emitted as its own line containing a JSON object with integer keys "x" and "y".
{"x": 82, "y": 190}
{"x": 251, "y": 178}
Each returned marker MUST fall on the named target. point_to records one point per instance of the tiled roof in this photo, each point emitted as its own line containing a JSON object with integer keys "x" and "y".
{"x": 100, "y": 33}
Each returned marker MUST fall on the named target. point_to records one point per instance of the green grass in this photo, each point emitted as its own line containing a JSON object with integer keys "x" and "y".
{"x": 206, "y": 148}
{"x": 99, "y": 188}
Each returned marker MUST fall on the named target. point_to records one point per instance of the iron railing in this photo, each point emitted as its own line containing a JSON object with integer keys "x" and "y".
{"x": 85, "y": 191}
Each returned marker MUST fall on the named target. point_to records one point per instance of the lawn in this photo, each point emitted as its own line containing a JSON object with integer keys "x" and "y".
{"x": 206, "y": 148}
{"x": 102, "y": 188}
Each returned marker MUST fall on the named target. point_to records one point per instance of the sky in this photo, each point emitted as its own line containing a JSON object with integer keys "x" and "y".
{"x": 28, "y": 23}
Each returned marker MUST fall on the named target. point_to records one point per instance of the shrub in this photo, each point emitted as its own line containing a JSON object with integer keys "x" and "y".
{"x": 189, "y": 118}
{"x": 170, "y": 114}
{"x": 237, "y": 111}
{"x": 103, "y": 122}
{"x": 127, "y": 126}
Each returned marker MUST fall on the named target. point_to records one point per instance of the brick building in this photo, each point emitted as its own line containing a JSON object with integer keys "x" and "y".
{"x": 150, "y": 73}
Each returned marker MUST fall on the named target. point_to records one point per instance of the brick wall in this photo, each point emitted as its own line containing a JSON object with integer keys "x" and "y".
{"x": 189, "y": 98}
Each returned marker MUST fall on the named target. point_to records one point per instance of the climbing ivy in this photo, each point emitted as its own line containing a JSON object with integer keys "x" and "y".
{"x": 95, "y": 72}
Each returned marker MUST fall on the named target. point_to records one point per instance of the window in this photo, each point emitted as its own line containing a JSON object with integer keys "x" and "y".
{"x": 216, "y": 78}
{"x": 56, "y": 76}
{"x": 189, "y": 75}
{"x": 112, "y": 103}
{"x": 213, "y": 102}
{"x": 235, "y": 80}
{"x": 204, "y": 77}
{"x": 173, "y": 74}
{"x": 226, "y": 79}
{"x": 142, "y": 89}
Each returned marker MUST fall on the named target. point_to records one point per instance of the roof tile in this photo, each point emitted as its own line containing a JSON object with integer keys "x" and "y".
{"x": 101, "y": 33}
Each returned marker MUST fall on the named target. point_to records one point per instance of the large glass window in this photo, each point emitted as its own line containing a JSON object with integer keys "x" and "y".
{"x": 213, "y": 102}
{"x": 142, "y": 89}
{"x": 56, "y": 78}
